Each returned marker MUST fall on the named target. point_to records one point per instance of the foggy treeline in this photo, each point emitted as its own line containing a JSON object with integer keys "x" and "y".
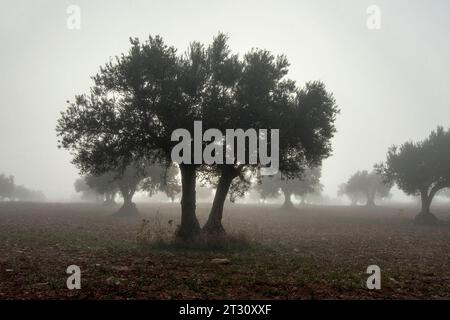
{"x": 10, "y": 191}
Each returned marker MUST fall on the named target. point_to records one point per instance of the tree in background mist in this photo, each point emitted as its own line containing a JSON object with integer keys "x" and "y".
{"x": 313, "y": 197}
{"x": 254, "y": 93}
{"x": 355, "y": 197}
{"x": 101, "y": 188}
{"x": 6, "y": 187}
{"x": 137, "y": 176}
{"x": 9, "y": 190}
{"x": 140, "y": 98}
{"x": 420, "y": 169}
{"x": 275, "y": 186}
{"x": 445, "y": 193}
{"x": 137, "y": 101}
{"x": 87, "y": 193}
{"x": 365, "y": 186}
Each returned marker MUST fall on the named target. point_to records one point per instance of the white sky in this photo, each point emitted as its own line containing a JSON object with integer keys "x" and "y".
{"x": 392, "y": 84}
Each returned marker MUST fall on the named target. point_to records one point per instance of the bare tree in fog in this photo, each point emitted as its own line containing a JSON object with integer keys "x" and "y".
{"x": 275, "y": 186}
{"x": 367, "y": 186}
{"x": 420, "y": 168}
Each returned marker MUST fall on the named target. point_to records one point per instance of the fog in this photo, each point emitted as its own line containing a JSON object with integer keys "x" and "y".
{"x": 390, "y": 84}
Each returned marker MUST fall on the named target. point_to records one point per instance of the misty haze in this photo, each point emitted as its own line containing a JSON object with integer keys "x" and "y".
{"x": 207, "y": 150}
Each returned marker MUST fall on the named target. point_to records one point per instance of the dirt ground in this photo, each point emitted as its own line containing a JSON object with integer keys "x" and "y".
{"x": 315, "y": 252}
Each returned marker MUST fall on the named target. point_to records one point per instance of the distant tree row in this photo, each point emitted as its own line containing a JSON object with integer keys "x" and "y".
{"x": 275, "y": 186}
{"x": 12, "y": 192}
{"x": 420, "y": 169}
{"x": 365, "y": 187}
{"x": 139, "y": 98}
{"x": 136, "y": 177}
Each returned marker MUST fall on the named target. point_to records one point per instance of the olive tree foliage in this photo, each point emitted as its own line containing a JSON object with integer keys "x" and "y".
{"x": 278, "y": 185}
{"x": 363, "y": 185}
{"x": 420, "y": 169}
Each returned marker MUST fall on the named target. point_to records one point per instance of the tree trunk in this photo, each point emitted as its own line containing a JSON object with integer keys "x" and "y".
{"x": 370, "y": 200}
{"x": 189, "y": 227}
{"x": 128, "y": 208}
{"x": 214, "y": 223}
{"x": 425, "y": 217}
{"x": 288, "y": 205}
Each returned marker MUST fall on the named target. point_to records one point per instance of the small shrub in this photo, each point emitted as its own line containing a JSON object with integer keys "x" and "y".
{"x": 155, "y": 231}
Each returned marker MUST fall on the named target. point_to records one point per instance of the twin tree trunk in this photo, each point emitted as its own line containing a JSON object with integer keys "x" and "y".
{"x": 189, "y": 227}
{"x": 214, "y": 223}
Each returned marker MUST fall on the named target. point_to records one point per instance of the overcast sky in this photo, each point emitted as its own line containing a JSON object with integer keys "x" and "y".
{"x": 391, "y": 84}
